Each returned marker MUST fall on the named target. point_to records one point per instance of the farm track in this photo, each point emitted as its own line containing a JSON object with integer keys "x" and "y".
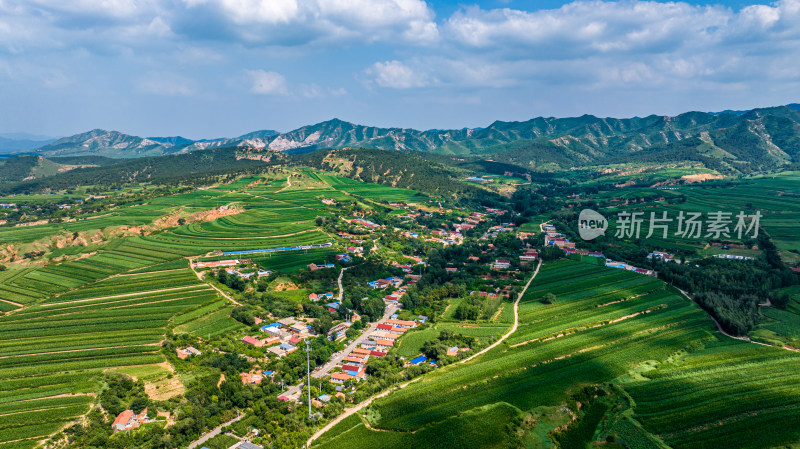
{"x": 16, "y": 304}
{"x": 369, "y": 401}
{"x": 214, "y": 432}
{"x": 224, "y": 295}
{"x": 719, "y": 327}
{"x": 145, "y": 273}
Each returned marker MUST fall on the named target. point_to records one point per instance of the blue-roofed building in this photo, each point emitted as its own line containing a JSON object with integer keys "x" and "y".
{"x": 324, "y": 397}
{"x": 418, "y": 360}
{"x": 286, "y": 347}
{"x": 394, "y": 316}
{"x": 268, "y": 373}
{"x": 333, "y": 305}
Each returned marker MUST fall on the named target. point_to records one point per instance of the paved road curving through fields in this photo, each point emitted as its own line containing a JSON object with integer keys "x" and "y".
{"x": 214, "y": 432}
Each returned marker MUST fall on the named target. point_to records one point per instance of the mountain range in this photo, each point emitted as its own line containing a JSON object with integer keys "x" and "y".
{"x": 735, "y": 141}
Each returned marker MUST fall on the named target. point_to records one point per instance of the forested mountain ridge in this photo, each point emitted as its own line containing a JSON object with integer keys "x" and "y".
{"x": 194, "y": 168}
{"x": 736, "y": 142}
{"x": 100, "y": 142}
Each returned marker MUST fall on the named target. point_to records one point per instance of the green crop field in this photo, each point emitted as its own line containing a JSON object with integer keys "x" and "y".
{"x": 51, "y": 352}
{"x": 604, "y": 325}
{"x": 775, "y": 196}
{"x": 291, "y": 262}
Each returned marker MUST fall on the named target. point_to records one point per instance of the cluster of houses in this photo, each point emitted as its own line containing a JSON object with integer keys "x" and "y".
{"x": 392, "y": 281}
{"x": 452, "y": 352}
{"x": 366, "y": 223}
{"x": 500, "y": 264}
{"x": 666, "y": 257}
{"x": 494, "y": 231}
{"x": 229, "y": 265}
{"x": 320, "y": 296}
{"x": 629, "y": 267}
{"x": 259, "y": 273}
{"x": 446, "y": 237}
{"x": 338, "y": 332}
{"x": 733, "y": 257}
{"x": 554, "y": 238}
{"x": 187, "y": 352}
{"x": 378, "y": 343}
{"x": 583, "y": 252}
{"x": 282, "y": 337}
{"x": 352, "y": 238}
{"x": 483, "y": 294}
{"x": 254, "y": 378}
{"x": 320, "y": 266}
{"x": 528, "y": 255}
{"x": 128, "y": 420}
{"x": 221, "y": 263}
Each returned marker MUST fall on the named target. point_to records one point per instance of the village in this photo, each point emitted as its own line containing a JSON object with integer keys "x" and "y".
{"x": 356, "y": 313}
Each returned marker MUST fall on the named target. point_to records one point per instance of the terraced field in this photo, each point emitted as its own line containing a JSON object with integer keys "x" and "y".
{"x": 71, "y": 320}
{"x": 51, "y": 352}
{"x": 605, "y": 326}
{"x": 208, "y": 321}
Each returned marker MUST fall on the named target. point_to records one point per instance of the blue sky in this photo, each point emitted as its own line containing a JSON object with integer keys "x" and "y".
{"x": 213, "y": 68}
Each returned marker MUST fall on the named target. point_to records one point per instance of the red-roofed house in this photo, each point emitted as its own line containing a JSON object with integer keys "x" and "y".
{"x": 339, "y": 378}
{"x": 377, "y": 354}
{"x": 248, "y": 378}
{"x": 401, "y": 323}
{"x": 384, "y": 327}
{"x": 124, "y": 421}
{"x": 501, "y": 264}
{"x": 355, "y": 360}
{"x": 383, "y": 344}
{"x": 253, "y": 341}
{"x": 128, "y": 420}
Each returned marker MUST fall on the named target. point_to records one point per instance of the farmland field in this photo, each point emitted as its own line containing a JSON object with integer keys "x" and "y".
{"x": 108, "y": 304}
{"x": 604, "y": 326}
{"x": 775, "y": 196}
{"x": 52, "y": 352}
{"x": 292, "y": 262}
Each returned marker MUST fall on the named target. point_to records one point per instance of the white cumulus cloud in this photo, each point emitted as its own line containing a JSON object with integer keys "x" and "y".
{"x": 395, "y": 74}
{"x": 267, "y": 83}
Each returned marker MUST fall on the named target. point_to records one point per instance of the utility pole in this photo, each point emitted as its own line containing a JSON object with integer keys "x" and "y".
{"x": 308, "y": 369}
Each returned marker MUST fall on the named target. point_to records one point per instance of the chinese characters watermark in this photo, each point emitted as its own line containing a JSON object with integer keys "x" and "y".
{"x": 689, "y": 225}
